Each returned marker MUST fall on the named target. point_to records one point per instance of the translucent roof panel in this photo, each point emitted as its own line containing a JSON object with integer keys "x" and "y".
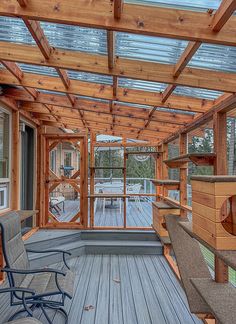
{"x": 141, "y": 85}
{"x": 14, "y": 30}
{"x": 149, "y": 48}
{"x": 38, "y": 69}
{"x": 197, "y": 92}
{"x": 176, "y": 111}
{"x": 215, "y": 57}
{"x": 198, "y": 5}
{"x": 76, "y": 38}
{"x": 90, "y": 77}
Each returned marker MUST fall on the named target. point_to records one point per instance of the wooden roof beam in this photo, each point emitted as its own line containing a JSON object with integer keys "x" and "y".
{"x": 16, "y": 71}
{"x": 141, "y": 70}
{"x": 167, "y": 92}
{"x": 163, "y": 118}
{"x": 223, "y": 14}
{"x": 118, "y": 8}
{"x": 111, "y": 48}
{"x": 39, "y": 37}
{"x": 185, "y": 58}
{"x": 140, "y": 19}
{"x": 115, "y": 87}
{"x": 45, "y": 48}
{"x": 183, "y": 61}
{"x": 225, "y": 104}
{"x": 22, "y": 3}
{"x": 104, "y": 92}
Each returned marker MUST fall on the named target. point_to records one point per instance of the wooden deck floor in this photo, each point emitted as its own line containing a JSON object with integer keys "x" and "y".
{"x": 121, "y": 290}
{"x": 138, "y": 215}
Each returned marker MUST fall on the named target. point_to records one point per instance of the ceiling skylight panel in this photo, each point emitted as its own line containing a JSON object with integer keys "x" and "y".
{"x": 215, "y": 57}
{"x": 149, "y": 48}
{"x": 197, "y": 5}
{"x": 76, "y": 38}
{"x": 38, "y": 69}
{"x": 90, "y": 77}
{"x": 198, "y": 93}
{"x": 141, "y": 85}
{"x": 14, "y": 30}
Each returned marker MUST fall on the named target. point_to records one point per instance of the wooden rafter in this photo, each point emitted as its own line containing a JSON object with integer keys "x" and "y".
{"x": 123, "y": 111}
{"x": 186, "y": 56}
{"x": 46, "y": 50}
{"x": 106, "y": 92}
{"x": 16, "y": 71}
{"x": 141, "y": 70}
{"x": 223, "y": 14}
{"x": 147, "y": 20}
{"x": 22, "y": 3}
{"x": 118, "y": 7}
{"x": 111, "y": 48}
{"x": 223, "y": 104}
{"x": 159, "y": 127}
{"x": 115, "y": 87}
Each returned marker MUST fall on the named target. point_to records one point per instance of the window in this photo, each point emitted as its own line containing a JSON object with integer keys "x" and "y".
{"x": 4, "y": 159}
{"x": 53, "y": 160}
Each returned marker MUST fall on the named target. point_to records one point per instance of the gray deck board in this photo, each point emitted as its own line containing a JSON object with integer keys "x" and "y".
{"x": 136, "y": 216}
{"x": 122, "y": 290}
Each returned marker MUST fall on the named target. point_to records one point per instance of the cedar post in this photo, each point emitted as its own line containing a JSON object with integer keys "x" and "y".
{"x": 92, "y": 180}
{"x": 15, "y": 194}
{"x": 220, "y": 168}
{"x": 183, "y": 140}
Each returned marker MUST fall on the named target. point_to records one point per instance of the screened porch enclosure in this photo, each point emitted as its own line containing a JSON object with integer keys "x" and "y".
{"x": 118, "y": 145}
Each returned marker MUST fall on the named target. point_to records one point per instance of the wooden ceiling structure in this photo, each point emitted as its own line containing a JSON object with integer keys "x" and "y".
{"x": 110, "y": 109}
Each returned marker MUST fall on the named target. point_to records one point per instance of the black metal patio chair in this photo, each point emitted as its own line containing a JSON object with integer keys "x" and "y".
{"x": 42, "y": 284}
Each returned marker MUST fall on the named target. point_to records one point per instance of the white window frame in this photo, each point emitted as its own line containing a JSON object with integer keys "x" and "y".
{"x": 7, "y": 181}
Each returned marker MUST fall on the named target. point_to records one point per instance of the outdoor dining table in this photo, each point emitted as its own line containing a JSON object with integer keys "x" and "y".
{"x": 110, "y": 187}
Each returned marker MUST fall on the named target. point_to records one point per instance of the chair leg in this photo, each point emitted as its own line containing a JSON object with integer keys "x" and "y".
{"x": 59, "y": 309}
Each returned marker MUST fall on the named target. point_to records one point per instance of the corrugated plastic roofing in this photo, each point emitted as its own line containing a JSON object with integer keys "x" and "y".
{"x": 130, "y": 46}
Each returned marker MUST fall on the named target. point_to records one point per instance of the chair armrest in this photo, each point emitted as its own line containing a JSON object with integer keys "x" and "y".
{"x": 33, "y": 271}
{"x": 53, "y": 251}
{"x": 48, "y": 251}
{"x": 17, "y": 289}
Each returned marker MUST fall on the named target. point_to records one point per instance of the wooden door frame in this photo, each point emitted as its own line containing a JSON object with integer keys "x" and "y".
{"x": 83, "y": 181}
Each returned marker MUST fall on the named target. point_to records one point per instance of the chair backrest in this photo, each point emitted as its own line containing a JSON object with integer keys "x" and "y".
{"x": 134, "y": 189}
{"x": 13, "y": 247}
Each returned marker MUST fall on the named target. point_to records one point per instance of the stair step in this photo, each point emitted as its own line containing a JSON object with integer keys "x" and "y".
{"x": 119, "y": 235}
{"x": 123, "y": 247}
{"x": 43, "y": 259}
{"x": 96, "y": 247}
{"x": 46, "y": 239}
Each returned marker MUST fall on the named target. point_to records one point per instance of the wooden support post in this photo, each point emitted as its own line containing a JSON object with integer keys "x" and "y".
{"x": 92, "y": 176}
{"x": 183, "y": 141}
{"x": 125, "y": 178}
{"x": 158, "y": 171}
{"x": 15, "y": 192}
{"x": 118, "y": 7}
{"x": 84, "y": 181}
{"x": 165, "y": 173}
{"x": 220, "y": 168}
